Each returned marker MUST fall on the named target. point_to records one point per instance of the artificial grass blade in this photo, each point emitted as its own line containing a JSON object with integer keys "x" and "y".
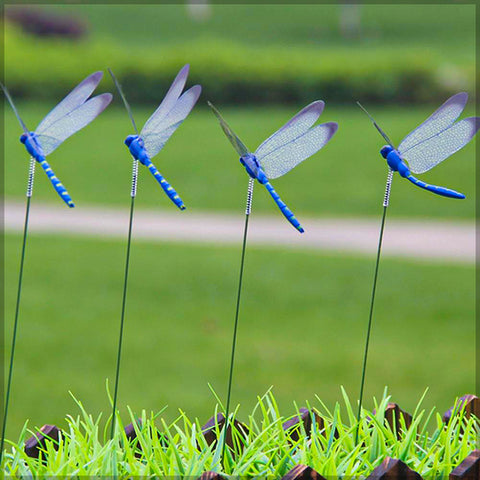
{"x": 431, "y": 451}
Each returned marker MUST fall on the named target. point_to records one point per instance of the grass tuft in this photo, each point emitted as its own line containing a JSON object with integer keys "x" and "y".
{"x": 179, "y": 448}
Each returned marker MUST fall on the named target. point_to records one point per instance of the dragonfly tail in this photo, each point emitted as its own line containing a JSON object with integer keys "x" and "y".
{"x": 284, "y": 209}
{"x": 167, "y": 188}
{"x": 444, "y": 192}
{"x": 57, "y": 185}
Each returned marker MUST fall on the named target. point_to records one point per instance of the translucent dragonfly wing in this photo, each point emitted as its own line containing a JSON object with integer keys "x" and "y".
{"x": 281, "y": 160}
{"x": 15, "y": 111}
{"x": 155, "y": 140}
{"x": 375, "y": 124}
{"x": 238, "y": 145}
{"x": 425, "y": 155}
{"x": 124, "y": 99}
{"x": 72, "y": 101}
{"x": 72, "y": 122}
{"x": 153, "y": 124}
{"x": 293, "y": 129}
{"x": 440, "y": 120}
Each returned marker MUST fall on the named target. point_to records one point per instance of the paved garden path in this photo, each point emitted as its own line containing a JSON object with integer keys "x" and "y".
{"x": 432, "y": 240}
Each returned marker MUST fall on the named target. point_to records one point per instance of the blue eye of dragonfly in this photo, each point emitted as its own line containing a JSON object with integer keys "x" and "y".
{"x": 386, "y": 149}
{"x": 130, "y": 139}
{"x": 33, "y": 146}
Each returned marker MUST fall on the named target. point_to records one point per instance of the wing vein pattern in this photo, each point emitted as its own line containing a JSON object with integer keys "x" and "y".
{"x": 73, "y": 100}
{"x": 295, "y": 141}
{"x": 56, "y": 133}
{"x": 161, "y": 126}
{"x": 438, "y": 121}
{"x": 168, "y": 102}
{"x": 430, "y": 152}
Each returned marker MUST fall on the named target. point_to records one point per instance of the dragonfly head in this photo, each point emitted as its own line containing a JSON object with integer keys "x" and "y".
{"x": 250, "y": 162}
{"x": 31, "y": 144}
{"x": 130, "y": 139}
{"x": 25, "y": 136}
{"x": 386, "y": 149}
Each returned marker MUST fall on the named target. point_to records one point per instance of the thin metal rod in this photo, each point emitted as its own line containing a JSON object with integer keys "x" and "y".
{"x": 248, "y": 210}
{"x": 386, "y": 201}
{"x": 31, "y": 176}
{"x": 124, "y": 297}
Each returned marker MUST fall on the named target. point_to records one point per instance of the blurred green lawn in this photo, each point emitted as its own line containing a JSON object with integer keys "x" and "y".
{"x": 399, "y": 26}
{"x": 302, "y": 327}
{"x": 257, "y": 53}
{"x": 346, "y": 178}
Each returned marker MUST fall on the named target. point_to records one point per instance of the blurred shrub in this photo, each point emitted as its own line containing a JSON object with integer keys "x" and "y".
{"x": 45, "y": 24}
{"x": 231, "y": 73}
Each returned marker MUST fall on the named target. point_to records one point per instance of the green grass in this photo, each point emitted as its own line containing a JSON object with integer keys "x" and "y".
{"x": 302, "y": 327}
{"x": 403, "y": 61}
{"x": 265, "y": 450}
{"x": 403, "y": 26}
{"x": 346, "y": 178}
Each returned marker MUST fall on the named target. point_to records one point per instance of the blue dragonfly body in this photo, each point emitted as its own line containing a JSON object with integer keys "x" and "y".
{"x": 254, "y": 169}
{"x": 73, "y": 113}
{"x": 137, "y": 148}
{"x": 436, "y": 139}
{"x": 297, "y": 140}
{"x": 170, "y": 114}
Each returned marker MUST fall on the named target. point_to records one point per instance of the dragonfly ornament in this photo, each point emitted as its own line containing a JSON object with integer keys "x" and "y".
{"x": 143, "y": 146}
{"x": 432, "y": 142}
{"x": 436, "y": 139}
{"x": 173, "y": 110}
{"x": 73, "y": 113}
{"x": 297, "y": 140}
